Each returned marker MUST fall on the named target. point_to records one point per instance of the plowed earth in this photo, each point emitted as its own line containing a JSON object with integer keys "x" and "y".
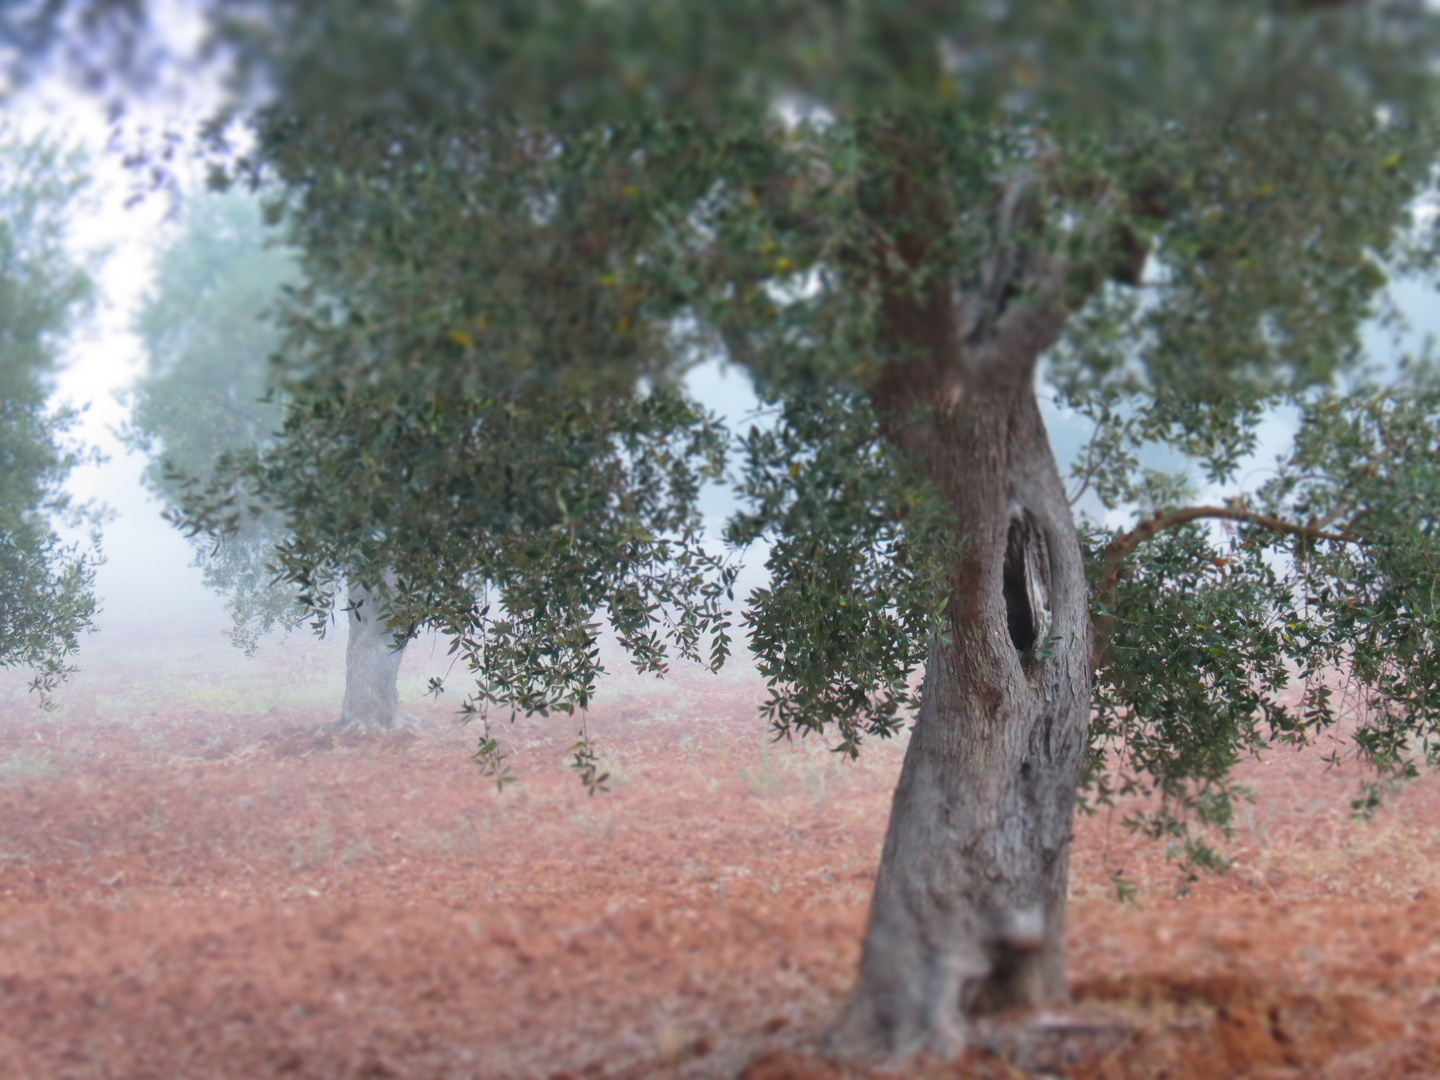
{"x": 191, "y": 894}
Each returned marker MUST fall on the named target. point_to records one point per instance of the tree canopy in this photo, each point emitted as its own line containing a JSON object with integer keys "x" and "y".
{"x": 46, "y": 597}
{"x": 503, "y": 204}
{"x": 205, "y": 395}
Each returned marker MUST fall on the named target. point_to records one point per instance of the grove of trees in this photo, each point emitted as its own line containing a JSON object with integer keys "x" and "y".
{"x": 520, "y": 224}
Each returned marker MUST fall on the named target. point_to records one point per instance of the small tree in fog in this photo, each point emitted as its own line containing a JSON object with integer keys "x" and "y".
{"x": 525, "y": 221}
{"x": 46, "y": 582}
{"x": 207, "y": 329}
{"x": 205, "y": 392}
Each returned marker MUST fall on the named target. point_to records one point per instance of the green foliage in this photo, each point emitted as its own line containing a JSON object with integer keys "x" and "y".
{"x": 490, "y": 758}
{"x": 502, "y": 469}
{"x": 46, "y": 598}
{"x": 560, "y": 513}
{"x": 567, "y": 60}
{"x": 522, "y": 222}
{"x": 842, "y": 628}
{"x": 586, "y": 764}
{"x": 205, "y": 329}
{"x": 1320, "y": 590}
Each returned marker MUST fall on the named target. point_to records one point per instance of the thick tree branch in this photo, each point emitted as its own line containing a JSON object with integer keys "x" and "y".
{"x": 1124, "y": 545}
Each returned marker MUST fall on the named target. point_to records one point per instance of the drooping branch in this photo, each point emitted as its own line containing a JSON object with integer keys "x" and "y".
{"x": 1124, "y": 545}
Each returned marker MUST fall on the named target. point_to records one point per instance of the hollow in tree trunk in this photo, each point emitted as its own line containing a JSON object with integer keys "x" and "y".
{"x": 372, "y": 668}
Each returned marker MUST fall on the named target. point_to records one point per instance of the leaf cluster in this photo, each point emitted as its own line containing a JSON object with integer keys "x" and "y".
{"x": 482, "y": 416}
{"x": 855, "y": 569}
{"x": 46, "y": 597}
{"x": 1304, "y": 606}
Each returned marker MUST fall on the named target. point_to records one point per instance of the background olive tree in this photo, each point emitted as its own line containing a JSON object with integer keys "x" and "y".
{"x": 205, "y": 392}
{"x": 209, "y": 331}
{"x": 46, "y": 597}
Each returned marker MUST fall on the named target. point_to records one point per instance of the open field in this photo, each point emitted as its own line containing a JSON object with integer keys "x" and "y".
{"x": 195, "y": 892}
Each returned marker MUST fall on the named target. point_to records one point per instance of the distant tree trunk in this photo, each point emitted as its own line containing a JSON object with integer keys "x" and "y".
{"x": 372, "y": 668}
{"x": 968, "y": 915}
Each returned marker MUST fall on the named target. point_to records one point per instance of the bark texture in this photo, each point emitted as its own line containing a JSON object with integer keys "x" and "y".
{"x": 968, "y": 915}
{"x": 372, "y": 668}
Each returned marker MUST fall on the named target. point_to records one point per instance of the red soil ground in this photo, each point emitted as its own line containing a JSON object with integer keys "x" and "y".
{"x": 191, "y": 895}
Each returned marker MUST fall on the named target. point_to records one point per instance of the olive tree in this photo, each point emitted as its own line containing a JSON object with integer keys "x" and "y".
{"x": 207, "y": 329}
{"x": 904, "y": 222}
{"x": 46, "y": 581}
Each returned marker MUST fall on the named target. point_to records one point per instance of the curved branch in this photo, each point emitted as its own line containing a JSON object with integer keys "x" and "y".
{"x": 1124, "y": 545}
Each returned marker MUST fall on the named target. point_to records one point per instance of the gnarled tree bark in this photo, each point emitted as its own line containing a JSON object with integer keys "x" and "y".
{"x": 372, "y": 667}
{"x": 968, "y": 916}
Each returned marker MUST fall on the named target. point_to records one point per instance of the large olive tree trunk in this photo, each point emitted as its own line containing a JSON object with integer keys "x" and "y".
{"x": 968, "y": 915}
{"x": 372, "y": 667}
